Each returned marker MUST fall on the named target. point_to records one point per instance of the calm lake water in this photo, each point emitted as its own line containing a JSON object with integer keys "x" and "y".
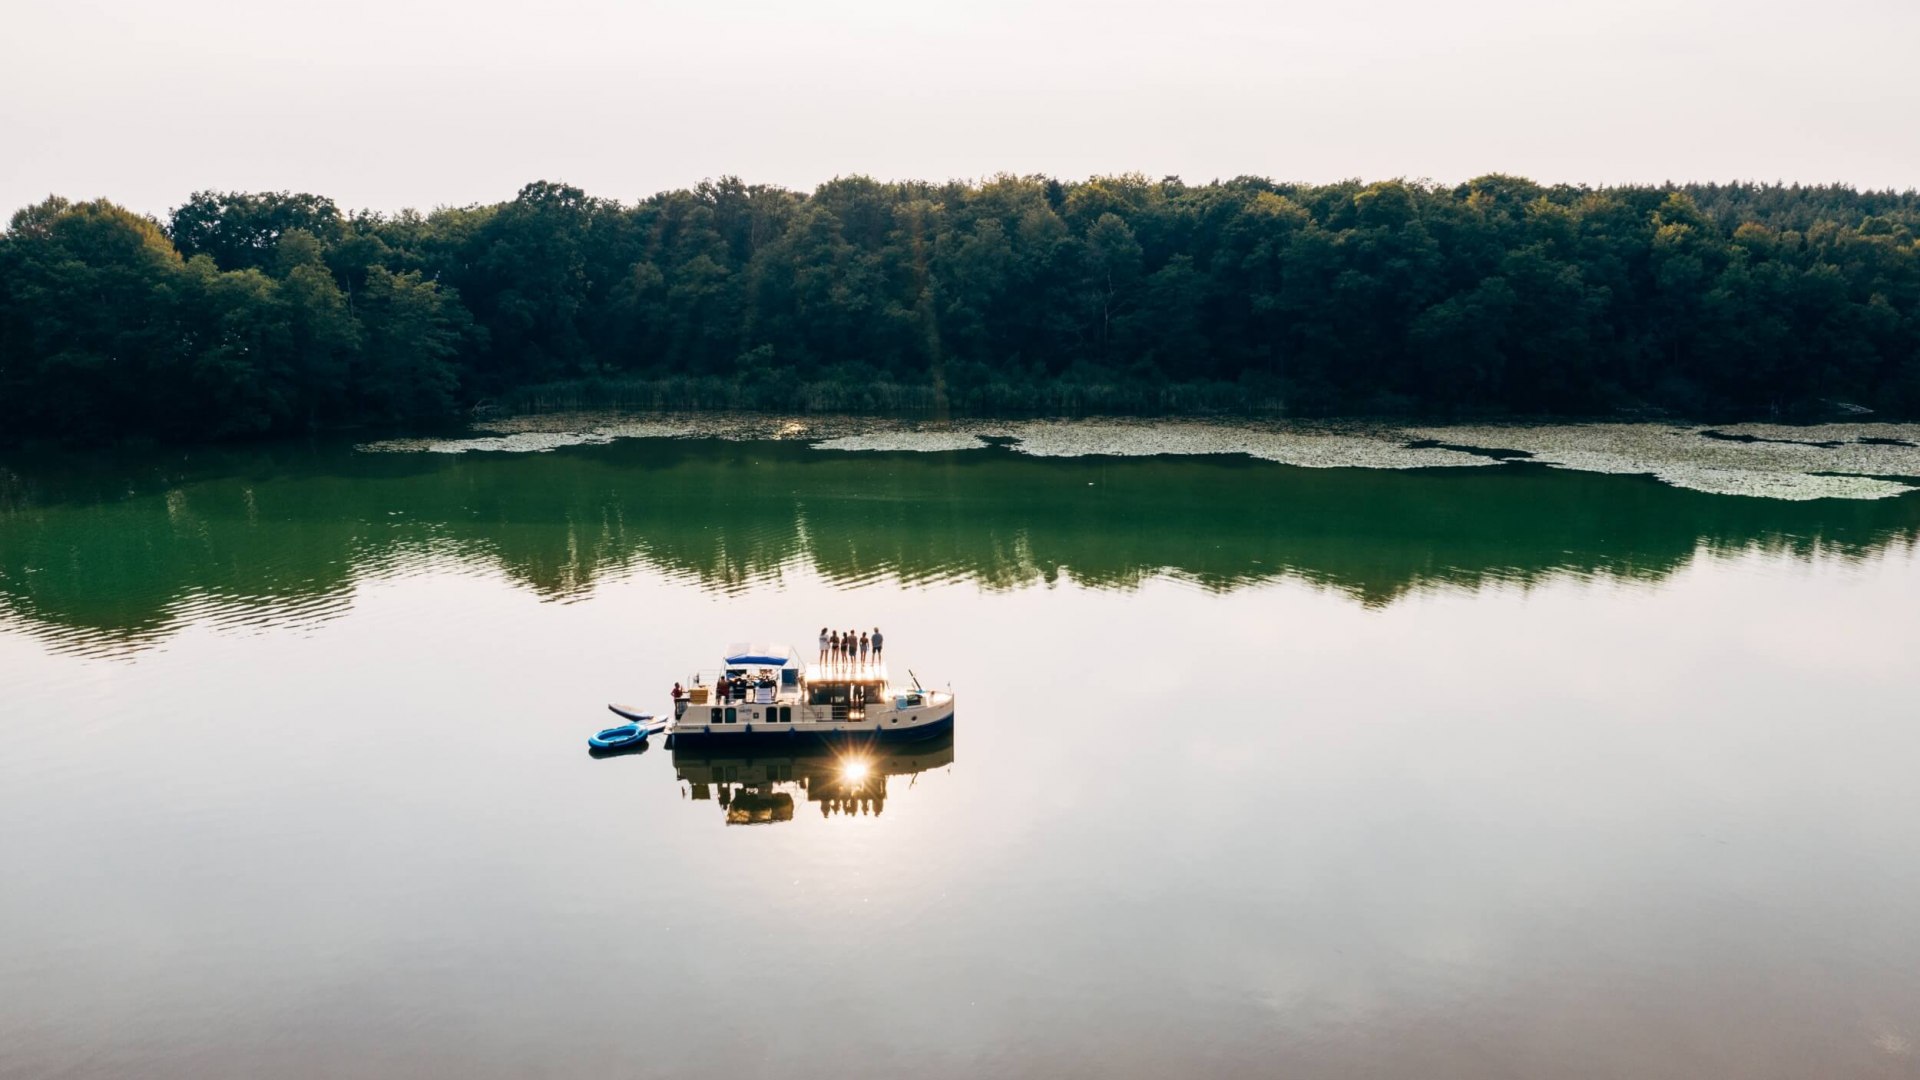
{"x": 1259, "y": 771}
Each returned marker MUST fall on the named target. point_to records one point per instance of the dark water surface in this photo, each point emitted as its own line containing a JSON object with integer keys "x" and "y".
{"x": 1259, "y": 770}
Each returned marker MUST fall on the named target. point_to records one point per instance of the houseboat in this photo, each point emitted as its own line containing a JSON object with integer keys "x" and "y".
{"x": 765, "y": 692}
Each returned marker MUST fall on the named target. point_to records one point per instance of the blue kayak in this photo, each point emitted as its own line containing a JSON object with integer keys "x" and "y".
{"x": 624, "y": 735}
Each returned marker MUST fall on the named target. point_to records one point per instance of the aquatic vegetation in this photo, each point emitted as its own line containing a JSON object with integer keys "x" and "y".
{"x": 1780, "y": 462}
{"x": 922, "y": 441}
{"x": 1303, "y": 445}
{"x": 1831, "y": 461}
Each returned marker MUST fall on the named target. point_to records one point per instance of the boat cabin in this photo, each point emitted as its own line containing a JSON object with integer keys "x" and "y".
{"x": 846, "y": 697}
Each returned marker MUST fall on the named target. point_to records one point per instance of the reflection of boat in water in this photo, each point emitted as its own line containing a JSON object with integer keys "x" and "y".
{"x": 763, "y": 788}
{"x": 764, "y": 692}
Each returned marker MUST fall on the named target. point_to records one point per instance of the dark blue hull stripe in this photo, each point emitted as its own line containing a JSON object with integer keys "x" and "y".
{"x": 732, "y": 734}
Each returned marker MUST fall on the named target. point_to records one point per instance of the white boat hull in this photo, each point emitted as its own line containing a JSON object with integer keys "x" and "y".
{"x": 930, "y": 717}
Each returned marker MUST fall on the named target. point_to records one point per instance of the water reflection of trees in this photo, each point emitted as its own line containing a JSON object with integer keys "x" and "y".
{"x": 115, "y": 554}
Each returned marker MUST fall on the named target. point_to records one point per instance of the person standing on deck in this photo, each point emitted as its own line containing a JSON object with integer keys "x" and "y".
{"x": 863, "y": 648}
{"x": 877, "y": 642}
{"x": 823, "y": 644}
{"x": 833, "y": 647}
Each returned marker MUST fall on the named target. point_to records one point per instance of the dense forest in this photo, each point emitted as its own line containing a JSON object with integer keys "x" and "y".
{"x": 253, "y": 314}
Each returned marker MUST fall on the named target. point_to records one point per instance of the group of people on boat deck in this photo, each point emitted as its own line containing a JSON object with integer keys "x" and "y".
{"x": 731, "y": 688}
{"x": 851, "y": 646}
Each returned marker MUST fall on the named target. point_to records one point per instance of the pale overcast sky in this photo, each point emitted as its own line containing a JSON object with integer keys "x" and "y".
{"x": 392, "y": 103}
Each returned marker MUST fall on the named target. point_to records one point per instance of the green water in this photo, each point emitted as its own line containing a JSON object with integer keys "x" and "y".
{"x": 1259, "y": 770}
{"x": 109, "y": 555}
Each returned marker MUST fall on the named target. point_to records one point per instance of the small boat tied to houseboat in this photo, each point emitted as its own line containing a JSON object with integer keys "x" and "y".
{"x": 762, "y": 692}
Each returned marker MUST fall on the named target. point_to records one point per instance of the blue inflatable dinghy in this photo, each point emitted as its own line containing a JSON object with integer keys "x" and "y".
{"x": 626, "y": 735}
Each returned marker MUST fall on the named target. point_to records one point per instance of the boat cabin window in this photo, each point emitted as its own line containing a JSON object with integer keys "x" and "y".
{"x": 733, "y": 716}
{"x": 843, "y": 693}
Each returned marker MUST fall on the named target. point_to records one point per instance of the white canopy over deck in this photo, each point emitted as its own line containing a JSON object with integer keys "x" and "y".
{"x": 761, "y": 654}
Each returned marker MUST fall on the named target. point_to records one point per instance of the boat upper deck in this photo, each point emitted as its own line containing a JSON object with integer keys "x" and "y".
{"x": 844, "y": 686}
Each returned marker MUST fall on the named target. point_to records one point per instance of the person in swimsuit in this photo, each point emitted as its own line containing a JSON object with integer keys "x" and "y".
{"x": 833, "y": 646}
{"x": 877, "y": 642}
{"x": 863, "y": 648}
{"x": 823, "y": 644}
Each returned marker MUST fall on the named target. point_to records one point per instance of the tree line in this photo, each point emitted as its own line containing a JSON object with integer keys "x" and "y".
{"x": 253, "y": 314}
